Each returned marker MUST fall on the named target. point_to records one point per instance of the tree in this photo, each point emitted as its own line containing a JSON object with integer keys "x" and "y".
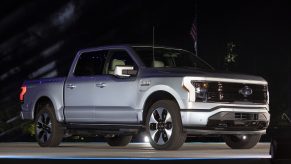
{"x": 230, "y": 57}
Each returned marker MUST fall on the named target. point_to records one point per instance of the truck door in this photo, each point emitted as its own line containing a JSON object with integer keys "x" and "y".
{"x": 119, "y": 95}
{"x": 80, "y": 91}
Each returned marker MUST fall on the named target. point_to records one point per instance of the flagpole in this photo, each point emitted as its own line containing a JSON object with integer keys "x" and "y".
{"x": 196, "y": 15}
{"x": 195, "y": 48}
{"x": 194, "y": 31}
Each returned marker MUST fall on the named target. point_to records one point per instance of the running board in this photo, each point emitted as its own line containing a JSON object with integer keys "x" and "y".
{"x": 105, "y": 128}
{"x": 102, "y": 126}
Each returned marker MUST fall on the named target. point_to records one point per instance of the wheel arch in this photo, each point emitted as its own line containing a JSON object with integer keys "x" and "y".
{"x": 154, "y": 97}
{"x": 41, "y": 101}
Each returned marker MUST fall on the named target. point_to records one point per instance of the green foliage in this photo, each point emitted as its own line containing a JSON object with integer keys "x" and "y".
{"x": 78, "y": 138}
{"x": 29, "y": 128}
{"x": 230, "y": 57}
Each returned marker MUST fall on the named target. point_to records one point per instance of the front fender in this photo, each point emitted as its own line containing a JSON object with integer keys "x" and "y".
{"x": 164, "y": 88}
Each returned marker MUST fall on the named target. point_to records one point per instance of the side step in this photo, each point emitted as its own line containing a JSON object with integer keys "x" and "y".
{"x": 103, "y": 129}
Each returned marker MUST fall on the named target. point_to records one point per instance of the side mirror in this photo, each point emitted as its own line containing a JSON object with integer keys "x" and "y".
{"x": 124, "y": 71}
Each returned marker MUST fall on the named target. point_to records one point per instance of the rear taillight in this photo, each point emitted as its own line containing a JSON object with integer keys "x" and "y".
{"x": 22, "y": 93}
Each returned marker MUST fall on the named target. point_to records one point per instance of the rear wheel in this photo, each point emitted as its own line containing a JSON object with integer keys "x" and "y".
{"x": 164, "y": 126}
{"x": 48, "y": 132}
{"x": 118, "y": 140}
{"x": 245, "y": 141}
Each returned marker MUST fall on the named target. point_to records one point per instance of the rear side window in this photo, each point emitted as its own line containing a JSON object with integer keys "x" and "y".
{"x": 91, "y": 63}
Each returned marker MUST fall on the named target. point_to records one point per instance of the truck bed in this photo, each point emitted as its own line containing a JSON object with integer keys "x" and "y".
{"x": 51, "y": 88}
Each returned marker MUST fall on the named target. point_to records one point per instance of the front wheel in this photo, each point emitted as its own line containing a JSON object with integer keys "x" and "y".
{"x": 48, "y": 132}
{"x": 245, "y": 141}
{"x": 164, "y": 126}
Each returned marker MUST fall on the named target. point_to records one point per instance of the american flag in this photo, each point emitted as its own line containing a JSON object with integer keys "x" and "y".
{"x": 193, "y": 31}
{"x": 194, "y": 34}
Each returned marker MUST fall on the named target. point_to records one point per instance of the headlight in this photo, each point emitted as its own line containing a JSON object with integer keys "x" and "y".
{"x": 201, "y": 89}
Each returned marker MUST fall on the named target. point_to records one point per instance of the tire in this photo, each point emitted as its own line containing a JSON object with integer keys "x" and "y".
{"x": 48, "y": 132}
{"x": 118, "y": 140}
{"x": 164, "y": 126}
{"x": 280, "y": 148}
{"x": 242, "y": 141}
{"x": 273, "y": 149}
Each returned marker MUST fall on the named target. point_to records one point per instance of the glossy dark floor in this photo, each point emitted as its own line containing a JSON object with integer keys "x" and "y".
{"x": 94, "y": 150}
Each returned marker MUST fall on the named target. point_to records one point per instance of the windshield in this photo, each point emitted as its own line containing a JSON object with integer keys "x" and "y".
{"x": 170, "y": 58}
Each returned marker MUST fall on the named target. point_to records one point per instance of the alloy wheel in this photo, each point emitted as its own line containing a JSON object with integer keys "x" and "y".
{"x": 44, "y": 127}
{"x": 160, "y": 126}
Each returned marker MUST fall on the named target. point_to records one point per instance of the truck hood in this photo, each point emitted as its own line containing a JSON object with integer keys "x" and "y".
{"x": 181, "y": 72}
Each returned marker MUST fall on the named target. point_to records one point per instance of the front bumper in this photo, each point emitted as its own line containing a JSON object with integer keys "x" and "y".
{"x": 226, "y": 120}
{"x": 222, "y": 132}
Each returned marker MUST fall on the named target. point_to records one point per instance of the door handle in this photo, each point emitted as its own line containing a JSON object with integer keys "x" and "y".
{"x": 71, "y": 86}
{"x": 101, "y": 85}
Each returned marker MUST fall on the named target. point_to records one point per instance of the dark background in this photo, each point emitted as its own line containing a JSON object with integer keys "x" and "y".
{"x": 39, "y": 38}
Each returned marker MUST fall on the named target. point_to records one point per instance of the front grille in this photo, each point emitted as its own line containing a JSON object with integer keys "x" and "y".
{"x": 245, "y": 116}
{"x": 230, "y": 92}
{"x": 238, "y": 120}
{"x": 236, "y": 125}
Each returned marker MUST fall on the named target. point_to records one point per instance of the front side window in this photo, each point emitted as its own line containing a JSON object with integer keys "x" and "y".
{"x": 119, "y": 58}
{"x": 91, "y": 63}
{"x": 170, "y": 58}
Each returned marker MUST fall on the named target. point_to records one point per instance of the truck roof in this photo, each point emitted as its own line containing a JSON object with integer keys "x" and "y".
{"x": 132, "y": 46}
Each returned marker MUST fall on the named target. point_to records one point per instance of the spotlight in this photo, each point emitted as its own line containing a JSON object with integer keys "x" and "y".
{"x": 146, "y": 139}
{"x": 244, "y": 137}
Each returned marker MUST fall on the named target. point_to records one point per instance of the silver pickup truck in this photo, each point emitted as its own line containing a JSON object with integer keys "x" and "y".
{"x": 166, "y": 93}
